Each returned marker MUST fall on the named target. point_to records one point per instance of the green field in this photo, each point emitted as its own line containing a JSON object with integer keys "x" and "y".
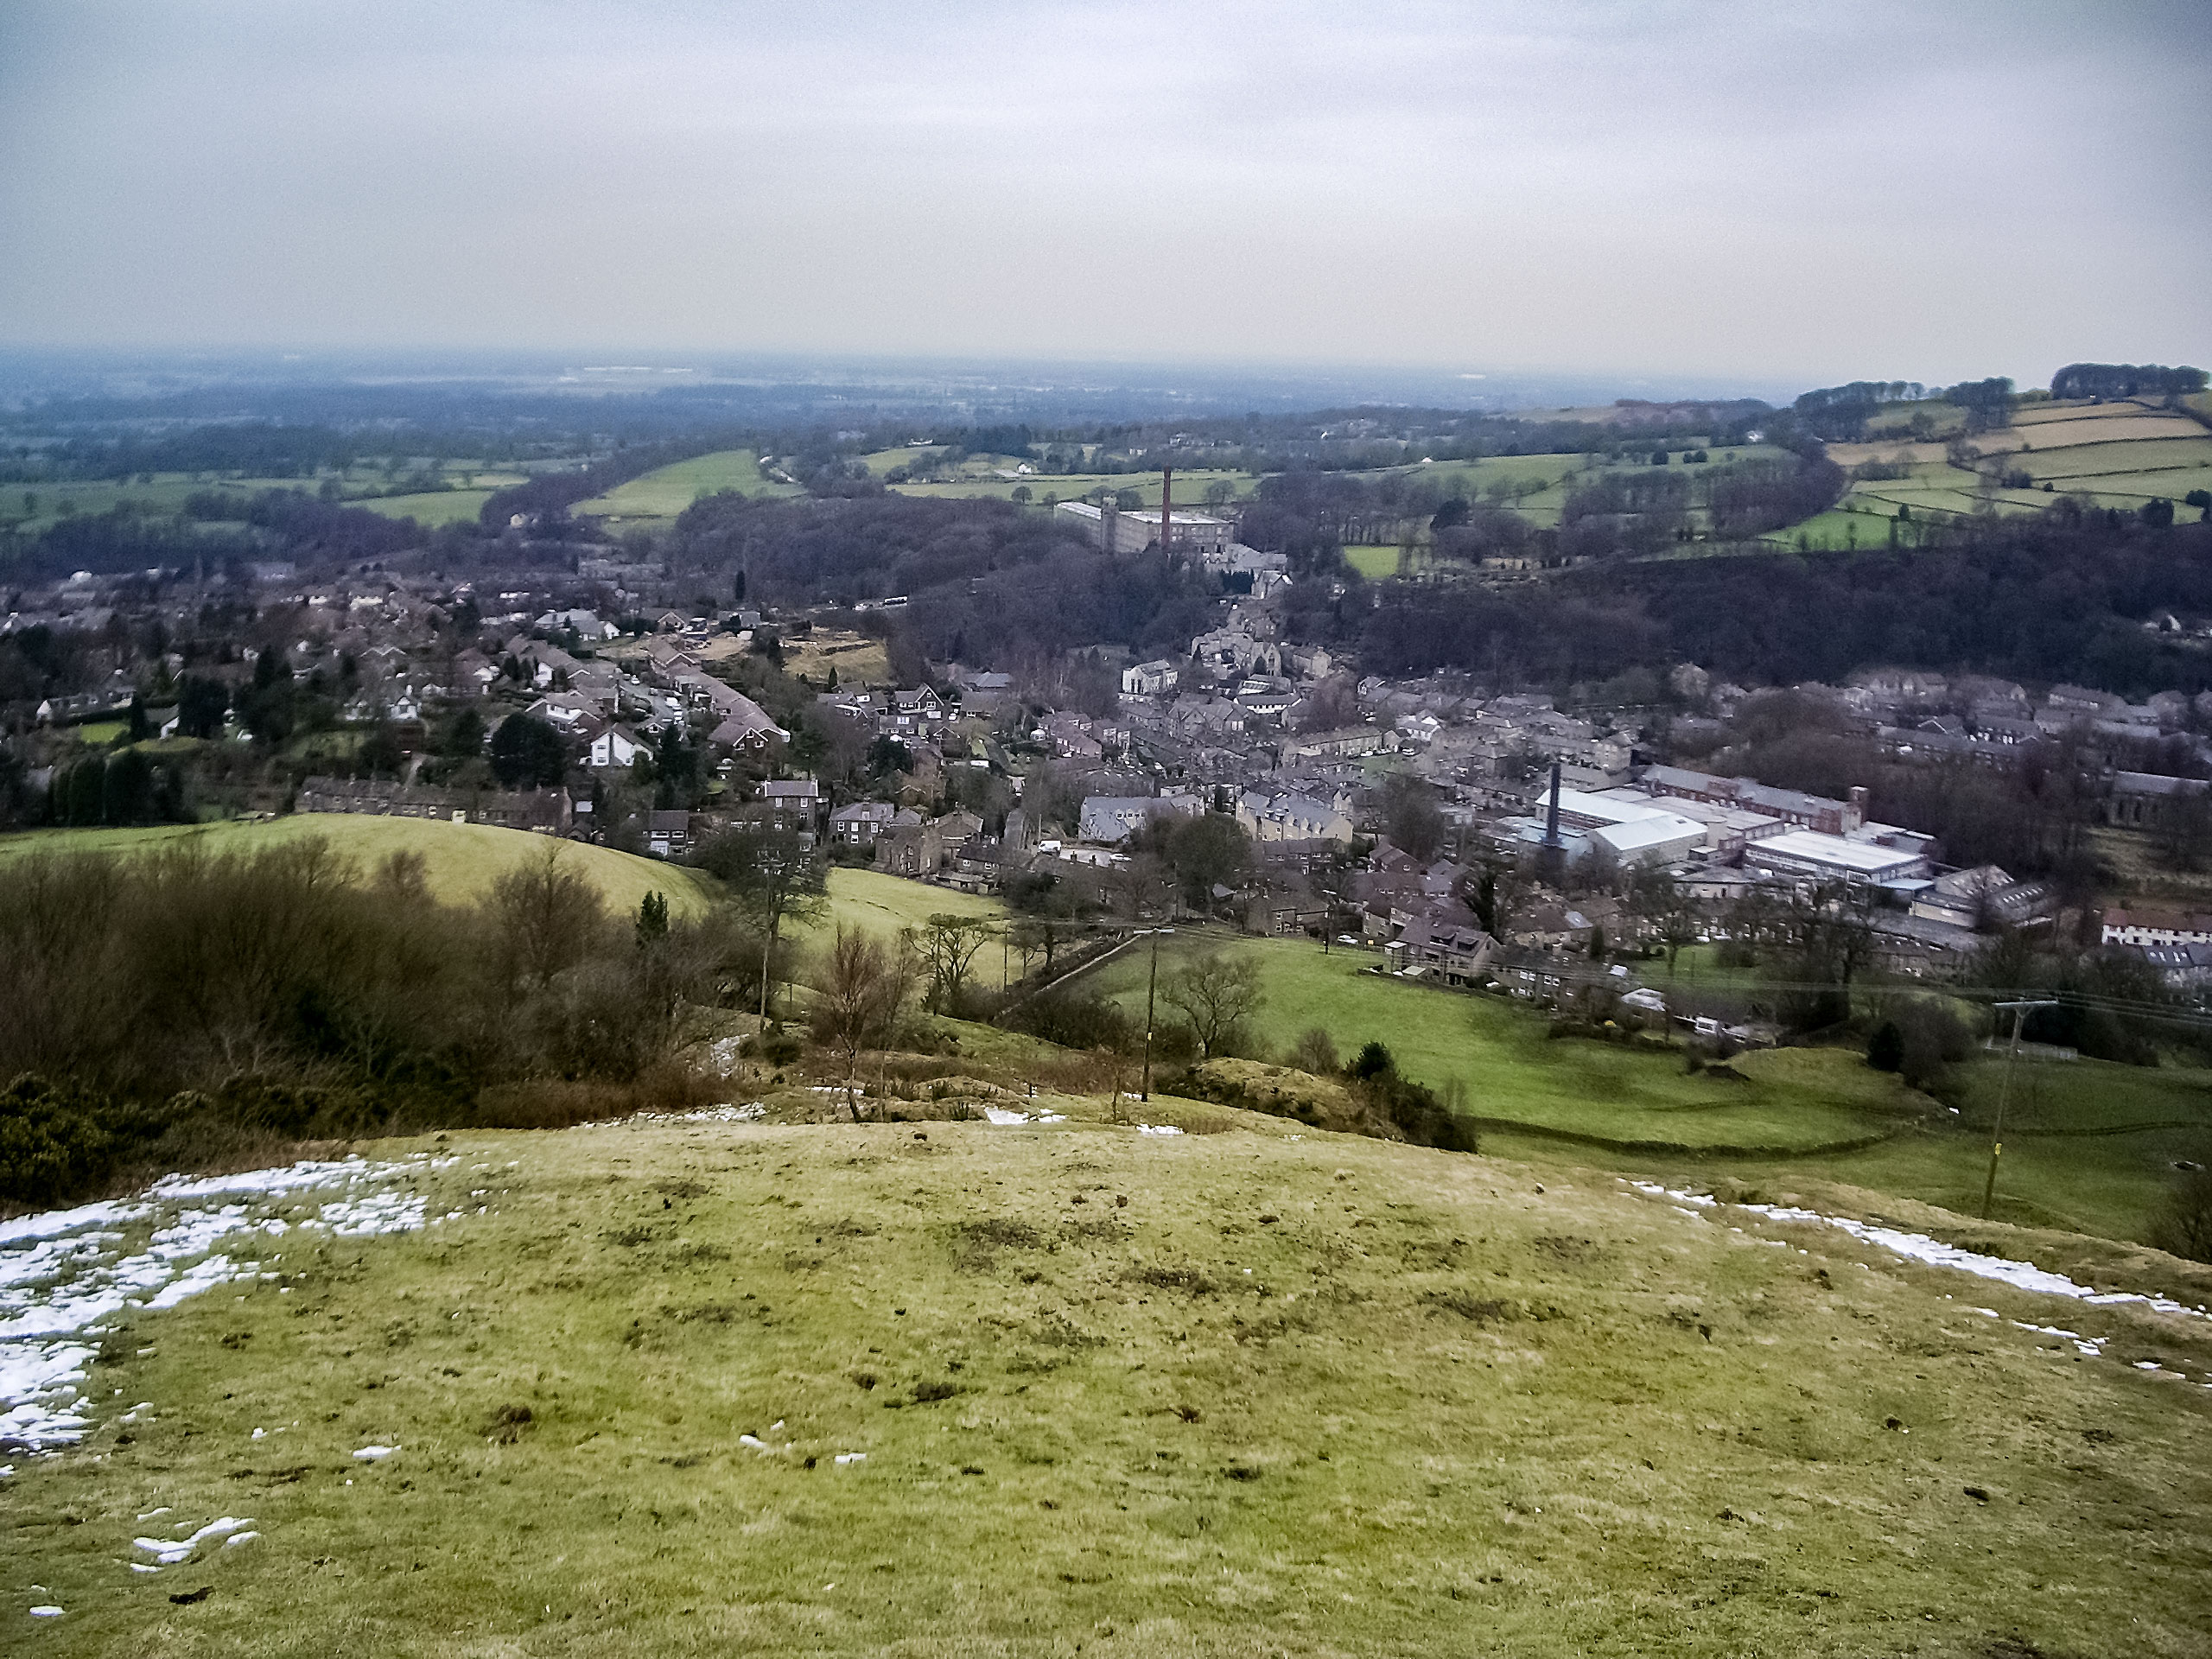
{"x": 2150, "y": 455}
{"x": 167, "y": 493}
{"x": 1843, "y": 528}
{"x": 2092, "y": 1152}
{"x": 2084, "y": 461}
{"x": 1510, "y": 1071}
{"x": 1374, "y": 563}
{"x": 665, "y": 493}
{"x": 463, "y": 860}
{"x": 1234, "y": 1394}
{"x": 432, "y": 508}
{"x": 981, "y": 484}
{"x": 883, "y": 903}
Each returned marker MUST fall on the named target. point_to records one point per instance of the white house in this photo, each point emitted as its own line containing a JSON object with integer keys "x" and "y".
{"x": 1150, "y": 679}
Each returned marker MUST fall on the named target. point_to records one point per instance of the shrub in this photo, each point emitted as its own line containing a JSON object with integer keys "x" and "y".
{"x": 1074, "y": 1020}
{"x": 1315, "y": 1051}
{"x": 1885, "y": 1048}
{"x": 59, "y": 1141}
{"x": 1413, "y": 1109}
{"x": 2183, "y": 1224}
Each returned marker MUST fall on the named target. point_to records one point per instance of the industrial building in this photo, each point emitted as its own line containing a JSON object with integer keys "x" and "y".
{"x": 1113, "y": 529}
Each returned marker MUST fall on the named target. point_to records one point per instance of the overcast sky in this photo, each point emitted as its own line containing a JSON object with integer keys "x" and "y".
{"x": 1799, "y": 193}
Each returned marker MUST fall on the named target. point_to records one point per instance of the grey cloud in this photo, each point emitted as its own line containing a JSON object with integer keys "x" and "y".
{"x": 1753, "y": 189}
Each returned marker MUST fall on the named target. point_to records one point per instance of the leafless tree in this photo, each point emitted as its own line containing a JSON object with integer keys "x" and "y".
{"x": 546, "y": 916}
{"x": 1217, "y": 993}
{"x": 947, "y": 946}
{"x": 859, "y": 991}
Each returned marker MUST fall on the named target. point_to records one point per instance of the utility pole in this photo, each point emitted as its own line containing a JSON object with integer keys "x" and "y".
{"x": 1151, "y": 990}
{"x": 2019, "y": 1011}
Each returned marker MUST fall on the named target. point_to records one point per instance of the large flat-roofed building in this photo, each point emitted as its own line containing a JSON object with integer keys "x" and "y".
{"x": 1814, "y": 813}
{"x": 1831, "y": 858}
{"x": 1114, "y": 530}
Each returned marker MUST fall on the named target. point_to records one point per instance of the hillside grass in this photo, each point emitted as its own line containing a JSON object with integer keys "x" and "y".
{"x": 883, "y": 903}
{"x": 2093, "y": 1152}
{"x": 461, "y": 861}
{"x": 1241, "y": 1393}
{"x": 665, "y": 492}
{"x": 1511, "y": 1070}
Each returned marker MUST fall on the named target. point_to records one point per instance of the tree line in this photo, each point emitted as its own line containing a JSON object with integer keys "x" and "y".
{"x": 2061, "y": 596}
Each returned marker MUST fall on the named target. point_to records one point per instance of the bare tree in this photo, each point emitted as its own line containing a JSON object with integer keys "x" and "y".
{"x": 1217, "y": 993}
{"x": 1141, "y": 887}
{"x": 546, "y": 916}
{"x": 774, "y": 876}
{"x": 947, "y": 946}
{"x": 859, "y": 991}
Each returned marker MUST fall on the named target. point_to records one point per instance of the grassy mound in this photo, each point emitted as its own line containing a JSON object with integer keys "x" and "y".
{"x": 1265, "y": 1391}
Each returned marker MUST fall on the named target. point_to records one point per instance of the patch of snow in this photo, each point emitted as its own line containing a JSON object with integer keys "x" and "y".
{"x": 1918, "y": 1247}
{"x": 852, "y": 1456}
{"x": 45, "y": 1612}
{"x": 237, "y": 1538}
{"x": 2021, "y": 1275}
{"x": 65, "y": 1272}
{"x": 1004, "y": 1115}
{"x": 169, "y": 1551}
{"x": 1158, "y": 1129}
{"x": 374, "y": 1453}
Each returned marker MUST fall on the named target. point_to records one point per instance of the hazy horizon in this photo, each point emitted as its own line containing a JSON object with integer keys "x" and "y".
{"x": 1711, "y": 197}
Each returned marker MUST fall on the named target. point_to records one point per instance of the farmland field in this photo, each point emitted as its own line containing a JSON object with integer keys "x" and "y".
{"x": 2118, "y": 454}
{"x": 432, "y": 508}
{"x": 2092, "y": 1153}
{"x": 949, "y": 1388}
{"x": 665, "y": 492}
{"x": 1375, "y": 563}
{"x": 1190, "y": 487}
{"x": 2135, "y": 456}
{"x": 1865, "y": 524}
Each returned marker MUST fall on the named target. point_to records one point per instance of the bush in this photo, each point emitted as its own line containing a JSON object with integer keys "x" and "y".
{"x": 1315, "y": 1051}
{"x": 1073, "y": 1020}
{"x": 2183, "y": 1224}
{"x": 58, "y": 1141}
{"x": 1412, "y": 1109}
{"x": 1918, "y": 1041}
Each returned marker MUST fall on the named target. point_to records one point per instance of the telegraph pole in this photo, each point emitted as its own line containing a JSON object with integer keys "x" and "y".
{"x": 1151, "y": 989}
{"x": 2019, "y": 1012}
